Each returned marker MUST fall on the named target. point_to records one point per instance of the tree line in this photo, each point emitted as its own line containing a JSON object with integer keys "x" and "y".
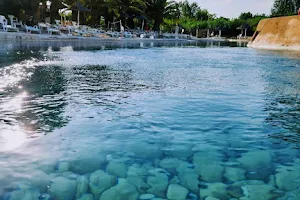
{"x": 156, "y": 15}
{"x": 285, "y": 7}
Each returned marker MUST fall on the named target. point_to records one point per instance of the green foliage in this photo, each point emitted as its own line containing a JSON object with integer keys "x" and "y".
{"x": 155, "y": 14}
{"x": 297, "y": 4}
{"x": 203, "y": 14}
{"x": 284, "y": 7}
{"x": 245, "y": 16}
{"x": 253, "y": 22}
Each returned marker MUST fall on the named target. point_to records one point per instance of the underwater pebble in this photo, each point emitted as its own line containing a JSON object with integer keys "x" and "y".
{"x": 248, "y": 182}
{"x": 181, "y": 151}
{"x": 86, "y": 197}
{"x": 189, "y": 179}
{"x": 254, "y": 160}
{"x": 235, "y": 191}
{"x": 174, "y": 180}
{"x": 158, "y": 170}
{"x": 291, "y": 195}
{"x": 272, "y": 181}
{"x": 82, "y": 186}
{"x": 63, "y": 167}
{"x": 87, "y": 163}
{"x": 211, "y": 198}
{"x": 117, "y": 169}
{"x": 146, "y": 196}
{"x": 192, "y": 196}
{"x": 158, "y": 183}
{"x": 109, "y": 157}
{"x": 70, "y": 175}
{"x": 208, "y": 166}
{"x": 287, "y": 176}
{"x": 170, "y": 164}
{"x": 261, "y": 192}
{"x": 177, "y": 192}
{"x": 62, "y": 188}
{"x": 139, "y": 183}
{"x": 100, "y": 181}
{"x": 123, "y": 190}
{"x": 137, "y": 170}
{"x": 44, "y": 197}
{"x": 234, "y": 174}
{"x": 217, "y": 190}
{"x": 26, "y": 194}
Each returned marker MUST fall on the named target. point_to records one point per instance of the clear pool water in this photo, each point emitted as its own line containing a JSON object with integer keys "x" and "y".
{"x": 142, "y": 120}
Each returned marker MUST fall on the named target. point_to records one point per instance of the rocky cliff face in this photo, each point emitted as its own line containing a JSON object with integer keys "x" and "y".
{"x": 277, "y": 33}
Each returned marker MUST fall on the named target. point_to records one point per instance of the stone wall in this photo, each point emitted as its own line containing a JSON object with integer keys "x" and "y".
{"x": 277, "y": 33}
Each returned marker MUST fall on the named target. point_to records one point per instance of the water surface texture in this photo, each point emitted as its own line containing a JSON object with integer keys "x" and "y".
{"x": 128, "y": 121}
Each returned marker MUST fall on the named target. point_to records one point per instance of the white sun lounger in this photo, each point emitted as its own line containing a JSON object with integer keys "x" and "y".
{"x": 48, "y": 28}
{"x": 14, "y": 21}
{"x": 5, "y": 27}
{"x": 30, "y": 29}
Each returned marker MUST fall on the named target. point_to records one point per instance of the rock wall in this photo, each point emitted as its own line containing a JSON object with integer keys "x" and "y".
{"x": 281, "y": 33}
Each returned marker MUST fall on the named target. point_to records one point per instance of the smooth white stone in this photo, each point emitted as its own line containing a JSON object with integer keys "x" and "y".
{"x": 234, "y": 174}
{"x": 211, "y": 198}
{"x": 137, "y": 170}
{"x": 123, "y": 190}
{"x": 87, "y": 162}
{"x": 158, "y": 183}
{"x": 82, "y": 186}
{"x": 261, "y": 192}
{"x": 62, "y": 188}
{"x": 26, "y": 194}
{"x": 254, "y": 160}
{"x": 139, "y": 183}
{"x": 288, "y": 177}
{"x": 146, "y": 196}
{"x": 217, "y": 190}
{"x": 177, "y": 192}
{"x": 170, "y": 164}
{"x": 86, "y": 197}
{"x": 117, "y": 169}
{"x": 208, "y": 165}
{"x": 101, "y": 181}
{"x": 63, "y": 167}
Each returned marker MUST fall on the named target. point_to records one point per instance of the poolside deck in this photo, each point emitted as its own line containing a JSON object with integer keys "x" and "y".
{"x": 47, "y": 37}
{"x": 28, "y": 36}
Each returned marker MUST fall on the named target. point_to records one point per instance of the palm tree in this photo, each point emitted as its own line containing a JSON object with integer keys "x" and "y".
{"x": 125, "y": 10}
{"x": 97, "y": 10}
{"x": 157, "y": 10}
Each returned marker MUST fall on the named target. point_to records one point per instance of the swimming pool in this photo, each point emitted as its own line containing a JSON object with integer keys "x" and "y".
{"x": 178, "y": 120}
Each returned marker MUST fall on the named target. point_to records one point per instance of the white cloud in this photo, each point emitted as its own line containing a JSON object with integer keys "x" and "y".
{"x": 233, "y": 8}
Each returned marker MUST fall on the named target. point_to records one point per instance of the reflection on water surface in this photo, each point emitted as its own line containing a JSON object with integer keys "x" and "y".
{"x": 120, "y": 120}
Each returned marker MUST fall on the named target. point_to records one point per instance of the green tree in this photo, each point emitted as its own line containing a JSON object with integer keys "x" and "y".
{"x": 297, "y": 4}
{"x": 245, "y": 16}
{"x": 125, "y": 10}
{"x": 189, "y": 10}
{"x": 283, "y": 8}
{"x": 157, "y": 10}
{"x": 203, "y": 14}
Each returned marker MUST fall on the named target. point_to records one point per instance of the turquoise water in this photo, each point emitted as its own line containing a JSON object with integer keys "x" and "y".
{"x": 161, "y": 120}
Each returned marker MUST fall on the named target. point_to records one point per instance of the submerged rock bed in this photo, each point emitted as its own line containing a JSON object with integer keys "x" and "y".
{"x": 200, "y": 175}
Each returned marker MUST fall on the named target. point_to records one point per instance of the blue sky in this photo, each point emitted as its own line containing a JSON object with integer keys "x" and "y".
{"x": 232, "y": 8}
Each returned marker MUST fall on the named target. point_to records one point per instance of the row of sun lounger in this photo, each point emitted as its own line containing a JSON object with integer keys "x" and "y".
{"x": 57, "y": 28}
{"x": 73, "y": 29}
